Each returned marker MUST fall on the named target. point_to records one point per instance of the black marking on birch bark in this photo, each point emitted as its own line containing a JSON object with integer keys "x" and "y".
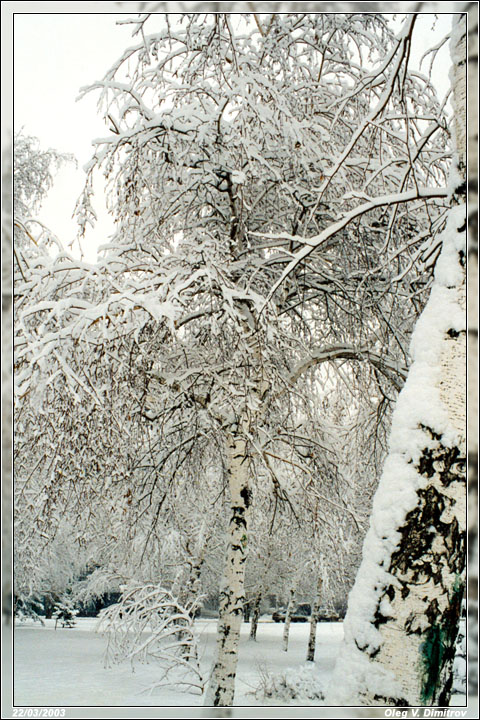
{"x": 444, "y": 697}
{"x": 438, "y": 648}
{"x": 396, "y": 702}
{"x": 411, "y": 625}
{"x": 217, "y": 697}
{"x": 246, "y": 495}
{"x": 420, "y": 557}
{"x": 472, "y": 492}
{"x": 451, "y": 459}
{"x": 362, "y": 649}
{"x": 453, "y": 333}
{"x": 238, "y": 516}
{"x": 434, "y": 435}
{"x": 461, "y": 190}
{"x": 415, "y": 556}
{"x": 390, "y": 592}
{"x": 379, "y": 619}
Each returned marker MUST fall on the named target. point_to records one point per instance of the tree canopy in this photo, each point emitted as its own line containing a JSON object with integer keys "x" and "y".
{"x": 279, "y": 188}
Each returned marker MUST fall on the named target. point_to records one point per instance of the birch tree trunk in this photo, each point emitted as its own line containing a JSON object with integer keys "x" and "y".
{"x": 221, "y": 688}
{"x": 404, "y": 609}
{"x": 312, "y": 639}
{"x": 255, "y": 616}
{"x": 473, "y": 348}
{"x": 288, "y": 618}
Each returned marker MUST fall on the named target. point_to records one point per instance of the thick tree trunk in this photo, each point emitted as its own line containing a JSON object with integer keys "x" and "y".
{"x": 403, "y": 612}
{"x": 255, "y": 616}
{"x": 473, "y": 348}
{"x": 221, "y": 688}
{"x": 312, "y": 639}
{"x": 288, "y": 618}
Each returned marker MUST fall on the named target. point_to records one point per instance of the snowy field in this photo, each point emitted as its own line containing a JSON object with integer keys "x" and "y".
{"x": 65, "y": 667}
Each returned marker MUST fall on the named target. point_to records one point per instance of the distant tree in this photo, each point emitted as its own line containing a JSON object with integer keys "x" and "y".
{"x": 65, "y": 613}
{"x": 33, "y": 175}
{"x": 35, "y": 572}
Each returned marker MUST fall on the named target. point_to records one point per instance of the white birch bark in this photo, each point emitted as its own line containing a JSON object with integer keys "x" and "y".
{"x": 288, "y": 618}
{"x": 221, "y": 688}
{"x": 255, "y": 616}
{"x": 403, "y": 612}
{"x": 312, "y": 638}
{"x": 472, "y": 165}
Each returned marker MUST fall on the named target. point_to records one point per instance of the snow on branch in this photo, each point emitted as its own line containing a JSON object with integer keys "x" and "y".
{"x": 385, "y": 365}
{"x": 148, "y": 624}
{"x": 312, "y": 244}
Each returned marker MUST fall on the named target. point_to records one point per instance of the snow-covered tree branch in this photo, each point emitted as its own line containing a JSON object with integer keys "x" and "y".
{"x": 281, "y": 195}
{"x": 404, "y": 610}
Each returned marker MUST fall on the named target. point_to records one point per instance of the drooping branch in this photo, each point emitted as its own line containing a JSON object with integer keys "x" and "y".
{"x": 311, "y": 244}
{"x": 385, "y": 365}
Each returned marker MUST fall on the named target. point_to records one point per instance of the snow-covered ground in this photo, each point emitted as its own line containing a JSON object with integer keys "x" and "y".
{"x": 65, "y": 667}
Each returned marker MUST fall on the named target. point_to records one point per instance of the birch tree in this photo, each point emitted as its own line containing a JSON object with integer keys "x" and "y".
{"x": 233, "y": 153}
{"x": 404, "y": 609}
{"x": 312, "y": 637}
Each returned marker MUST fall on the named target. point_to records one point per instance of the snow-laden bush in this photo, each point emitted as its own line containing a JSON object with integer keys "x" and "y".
{"x": 300, "y": 685}
{"x": 65, "y": 613}
{"x": 28, "y": 607}
{"x": 149, "y": 625}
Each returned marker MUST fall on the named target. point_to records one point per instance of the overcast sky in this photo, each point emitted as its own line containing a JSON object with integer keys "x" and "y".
{"x": 58, "y": 48}
{"x": 53, "y": 56}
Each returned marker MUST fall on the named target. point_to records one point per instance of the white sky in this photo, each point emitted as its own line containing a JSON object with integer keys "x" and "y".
{"x": 61, "y": 46}
{"x": 53, "y": 56}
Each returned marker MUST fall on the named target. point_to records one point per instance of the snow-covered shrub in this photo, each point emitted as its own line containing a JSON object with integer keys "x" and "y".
{"x": 65, "y": 613}
{"x": 148, "y": 624}
{"x": 28, "y": 607}
{"x": 299, "y": 685}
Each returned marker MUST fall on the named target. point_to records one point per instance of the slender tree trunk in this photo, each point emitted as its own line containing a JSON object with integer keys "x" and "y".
{"x": 187, "y": 587}
{"x": 403, "y": 612}
{"x": 221, "y": 687}
{"x": 288, "y": 618}
{"x": 255, "y": 616}
{"x": 312, "y": 639}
